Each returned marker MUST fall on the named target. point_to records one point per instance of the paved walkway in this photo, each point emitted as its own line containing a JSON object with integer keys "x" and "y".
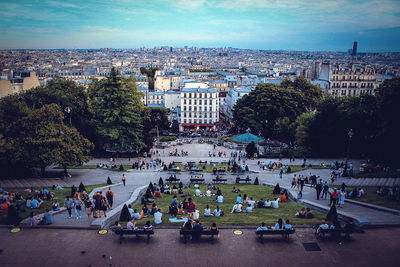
{"x": 47, "y": 247}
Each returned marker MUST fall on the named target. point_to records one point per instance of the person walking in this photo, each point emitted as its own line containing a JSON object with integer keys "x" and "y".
{"x": 110, "y": 197}
{"x": 88, "y": 207}
{"x": 77, "y": 206}
{"x": 318, "y": 188}
{"x": 124, "y": 179}
{"x": 68, "y": 203}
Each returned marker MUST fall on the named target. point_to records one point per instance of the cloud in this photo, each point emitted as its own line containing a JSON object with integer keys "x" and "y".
{"x": 64, "y": 4}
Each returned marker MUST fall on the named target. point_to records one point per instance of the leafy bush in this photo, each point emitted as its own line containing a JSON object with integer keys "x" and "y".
{"x": 167, "y": 138}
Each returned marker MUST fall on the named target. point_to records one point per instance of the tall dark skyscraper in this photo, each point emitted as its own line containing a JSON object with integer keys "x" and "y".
{"x": 354, "y": 49}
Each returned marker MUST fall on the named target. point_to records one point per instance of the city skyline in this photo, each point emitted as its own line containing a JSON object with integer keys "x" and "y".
{"x": 266, "y": 25}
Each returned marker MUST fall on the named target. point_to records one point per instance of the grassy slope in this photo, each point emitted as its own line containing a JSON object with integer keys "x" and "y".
{"x": 269, "y": 216}
{"x": 372, "y": 197}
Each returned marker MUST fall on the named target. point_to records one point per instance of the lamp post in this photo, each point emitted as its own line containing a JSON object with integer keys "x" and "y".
{"x": 350, "y": 134}
{"x": 68, "y": 111}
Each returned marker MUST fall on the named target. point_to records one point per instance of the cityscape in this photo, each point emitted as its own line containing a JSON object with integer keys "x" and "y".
{"x": 229, "y": 129}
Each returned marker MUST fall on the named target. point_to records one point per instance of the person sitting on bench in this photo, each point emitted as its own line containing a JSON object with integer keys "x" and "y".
{"x": 116, "y": 226}
{"x": 279, "y": 225}
{"x": 262, "y": 227}
{"x": 198, "y": 226}
{"x": 131, "y": 226}
{"x": 148, "y": 226}
{"x": 322, "y": 226}
{"x": 187, "y": 225}
{"x": 237, "y": 208}
{"x": 288, "y": 226}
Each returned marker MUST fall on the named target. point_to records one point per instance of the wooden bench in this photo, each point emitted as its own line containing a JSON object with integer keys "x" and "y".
{"x": 172, "y": 181}
{"x": 336, "y": 233}
{"x": 195, "y": 171}
{"x": 200, "y": 181}
{"x": 195, "y": 234}
{"x": 125, "y": 231}
{"x": 284, "y": 233}
{"x": 219, "y": 181}
{"x": 247, "y": 181}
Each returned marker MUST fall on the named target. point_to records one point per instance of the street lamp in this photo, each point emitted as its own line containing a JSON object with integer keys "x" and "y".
{"x": 350, "y": 134}
{"x": 68, "y": 111}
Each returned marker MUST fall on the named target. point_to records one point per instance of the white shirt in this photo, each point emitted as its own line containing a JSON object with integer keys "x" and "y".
{"x": 198, "y": 192}
{"x": 220, "y": 199}
{"x": 207, "y": 212}
{"x": 157, "y": 217}
{"x": 251, "y": 202}
{"x": 249, "y": 209}
{"x": 129, "y": 226}
{"x": 274, "y": 204}
{"x": 208, "y": 193}
{"x": 237, "y": 208}
{"x": 267, "y": 204}
{"x": 131, "y": 211}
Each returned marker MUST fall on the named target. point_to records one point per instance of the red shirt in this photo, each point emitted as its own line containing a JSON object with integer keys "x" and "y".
{"x": 334, "y": 194}
{"x": 192, "y": 207}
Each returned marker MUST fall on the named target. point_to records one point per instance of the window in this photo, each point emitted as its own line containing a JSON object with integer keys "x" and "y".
{"x": 184, "y": 101}
{"x": 194, "y": 121}
{"x": 205, "y": 115}
{"x": 190, "y": 101}
{"x": 190, "y": 95}
{"x": 200, "y": 102}
{"x": 190, "y": 115}
{"x": 184, "y": 121}
{"x": 184, "y": 95}
{"x": 199, "y": 108}
{"x": 195, "y": 108}
{"x": 195, "y": 102}
{"x": 190, "y": 108}
{"x": 184, "y": 108}
{"x": 210, "y": 102}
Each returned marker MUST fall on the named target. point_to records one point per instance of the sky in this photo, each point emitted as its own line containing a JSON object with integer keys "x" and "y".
{"x": 306, "y": 25}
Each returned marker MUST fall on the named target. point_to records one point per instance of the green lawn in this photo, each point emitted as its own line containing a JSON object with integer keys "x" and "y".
{"x": 372, "y": 197}
{"x": 59, "y": 194}
{"x": 269, "y": 216}
{"x": 297, "y": 168}
{"x": 126, "y": 167}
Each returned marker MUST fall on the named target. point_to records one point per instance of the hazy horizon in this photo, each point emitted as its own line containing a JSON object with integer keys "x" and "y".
{"x": 319, "y": 26}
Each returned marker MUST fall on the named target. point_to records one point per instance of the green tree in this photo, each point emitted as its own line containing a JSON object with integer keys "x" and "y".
{"x": 118, "y": 112}
{"x": 311, "y": 93}
{"x": 251, "y": 149}
{"x": 41, "y": 139}
{"x": 267, "y": 103}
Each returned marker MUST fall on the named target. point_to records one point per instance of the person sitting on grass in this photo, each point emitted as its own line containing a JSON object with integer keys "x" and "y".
{"x": 154, "y": 208}
{"x": 207, "y": 211}
{"x": 283, "y": 197}
{"x": 217, "y": 212}
{"x": 275, "y": 203}
{"x": 301, "y": 213}
{"x": 197, "y": 192}
{"x": 249, "y": 209}
{"x": 309, "y": 214}
{"x": 136, "y": 215}
{"x": 36, "y": 202}
{"x": 208, "y": 193}
{"x": 131, "y": 226}
{"x": 148, "y": 226}
{"x": 237, "y": 208}
{"x": 158, "y": 217}
{"x": 239, "y": 199}
{"x": 262, "y": 227}
{"x": 279, "y": 225}
{"x": 180, "y": 209}
{"x": 288, "y": 226}
{"x": 145, "y": 210}
{"x": 267, "y": 204}
{"x": 55, "y": 206}
{"x": 251, "y": 202}
{"x": 260, "y": 203}
{"x": 234, "y": 190}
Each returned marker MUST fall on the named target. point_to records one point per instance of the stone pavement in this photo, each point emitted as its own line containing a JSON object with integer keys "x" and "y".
{"x": 48, "y": 247}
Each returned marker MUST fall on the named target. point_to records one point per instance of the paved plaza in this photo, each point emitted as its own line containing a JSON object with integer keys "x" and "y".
{"x": 376, "y": 247}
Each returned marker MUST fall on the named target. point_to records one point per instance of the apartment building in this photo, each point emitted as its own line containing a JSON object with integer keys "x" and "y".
{"x": 199, "y": 109}
{"x": 353, "y": 81}
{"x": 19, "y": 83}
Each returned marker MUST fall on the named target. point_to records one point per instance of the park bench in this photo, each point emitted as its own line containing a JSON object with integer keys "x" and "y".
{"x": 172, "y": 180}
{"x": 125, "y": 231}
{"x": 239, "y": 180}
{"x": 203, "y": 162}
{"x": 284, "y": 233}
{"x": 195, "y": 234}
{"x": 336, "y": 233}
{"x": 219, "y": 181}
{"x": 195, "y": 171}
{"x": 174, "y": 171}
{"x": 194, "y": 180}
